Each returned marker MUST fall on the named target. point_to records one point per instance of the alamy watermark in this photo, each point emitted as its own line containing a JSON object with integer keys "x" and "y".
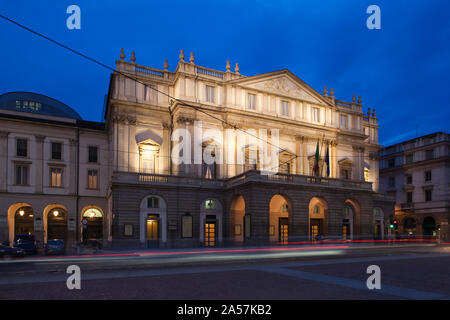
{"x": 374, "y": 280}
{"x": 374, "y": 20}
{"x": 74, "y": 20}
{"x": 74, "y": 280}
{"x": 252, "y": 147}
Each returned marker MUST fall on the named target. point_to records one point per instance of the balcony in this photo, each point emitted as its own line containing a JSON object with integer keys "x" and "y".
{"x": 246, "y": 177}
{"x": 407, "y": 206}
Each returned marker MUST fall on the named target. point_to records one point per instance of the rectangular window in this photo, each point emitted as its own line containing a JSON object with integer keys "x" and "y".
{"x": 392, "y": 182}
{"x": 252, "y": 101}
{"x": 409, "y": 158}
{"x": 128, "y": 230}
{"x": 344, "y": 121}
{"x": 22, "y": 147}
{"x": 409, "y": 197}
{"x": 409, "y": 179}
{"x": 56, "y": 150}
{"x": 153, "y": 203}
{"x": 391, "y": 163}
{"x": 92, "y": 179}
{"x": 56, "y": 177}
{"x": 186, "y": 223}
{"x": 285, "y": 108}
{"x": 315, "y": 114}
{"x": 210, "y": 94}
{"x": 21, "y": 175}
{"x": 150, "y": 94}
{"x": 428, "y": 195}
{"x": 93, "y": 154}
{"x": 428, "y": 175}
{"x": 429, "y": 154}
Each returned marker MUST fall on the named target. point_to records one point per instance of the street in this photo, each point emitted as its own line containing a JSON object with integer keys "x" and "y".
{"x": 408, "y": 271}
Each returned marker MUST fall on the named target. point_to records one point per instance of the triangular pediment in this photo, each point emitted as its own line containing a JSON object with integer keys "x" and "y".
{"x": 283, "y": 84}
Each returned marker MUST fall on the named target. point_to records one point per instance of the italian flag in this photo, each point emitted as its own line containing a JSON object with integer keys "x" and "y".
{"x": 316, "y": 160}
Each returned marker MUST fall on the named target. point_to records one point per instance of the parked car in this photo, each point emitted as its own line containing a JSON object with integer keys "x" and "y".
{"x": 26, "y": 242}
{"x": 6, "y": 251}
{"x": 55, "y": 247}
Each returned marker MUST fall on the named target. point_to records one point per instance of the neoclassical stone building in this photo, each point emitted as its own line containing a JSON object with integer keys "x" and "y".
{"x": 416, "y": 173}
{"x": 144, "y": 178}
{"x": 158, "y": 201}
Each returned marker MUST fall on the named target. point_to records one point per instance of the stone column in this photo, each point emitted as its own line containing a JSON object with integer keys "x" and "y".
{"x": 72, "y": 169}
{"x": 298, "y": 151}
{"x": 334, "y": 159}
{"x": 362, "y": 166}
{"x": 3, "y": 160}
{"x": 165, "y": 152}
{"x": 40, "y": 169}
{"x": 304, "y": 155}
{"x": 133, "y": 151}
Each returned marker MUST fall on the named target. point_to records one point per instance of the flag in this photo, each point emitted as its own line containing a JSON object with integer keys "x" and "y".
{"x": 327, "y": 161}
{"x": 316, "y": 160}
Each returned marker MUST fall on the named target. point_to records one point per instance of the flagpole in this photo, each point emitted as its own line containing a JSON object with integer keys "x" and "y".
{"x": 321, "y": 146}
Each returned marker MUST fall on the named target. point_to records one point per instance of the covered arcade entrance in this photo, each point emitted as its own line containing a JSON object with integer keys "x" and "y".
{"x": 92, "y": 224}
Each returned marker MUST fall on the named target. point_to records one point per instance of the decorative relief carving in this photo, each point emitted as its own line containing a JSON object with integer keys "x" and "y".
{"x": 284, "y": 86}
{"x": 184, "y": 119}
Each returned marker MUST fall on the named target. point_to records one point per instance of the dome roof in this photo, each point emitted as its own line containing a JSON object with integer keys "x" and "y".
{"x": 36, "y": 103}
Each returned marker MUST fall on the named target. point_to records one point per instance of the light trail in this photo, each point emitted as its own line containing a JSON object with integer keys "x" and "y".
{"x": 168, "y": 253}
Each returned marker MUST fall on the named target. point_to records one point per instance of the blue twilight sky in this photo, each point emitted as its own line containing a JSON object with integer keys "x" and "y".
{"x": 402, "y": 70}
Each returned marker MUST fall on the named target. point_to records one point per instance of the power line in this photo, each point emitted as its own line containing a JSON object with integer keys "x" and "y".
{"x": 138, "y": 81}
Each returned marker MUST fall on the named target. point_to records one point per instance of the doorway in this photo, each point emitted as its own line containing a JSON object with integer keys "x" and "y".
{"x": 153, "y": 231}
{"x": 284, "y": 230}
{"x": 210, "y": 231}
{"x": 316, "y": 228}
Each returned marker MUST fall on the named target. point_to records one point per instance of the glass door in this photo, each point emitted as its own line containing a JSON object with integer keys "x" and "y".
{"x": 316, "y": 228}
{"x": 210, "y": 234}
{"x": 284, "y": 228}
{"x": 152, "y": 232}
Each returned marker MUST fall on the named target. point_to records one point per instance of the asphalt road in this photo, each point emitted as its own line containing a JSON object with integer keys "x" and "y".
{"x": 302, "y": 272}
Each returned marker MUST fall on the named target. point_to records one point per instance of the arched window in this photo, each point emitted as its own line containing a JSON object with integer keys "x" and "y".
{"x": 92, "y": 213}
{"x": 153, "y": 203}
{"x": 210, "y": 204}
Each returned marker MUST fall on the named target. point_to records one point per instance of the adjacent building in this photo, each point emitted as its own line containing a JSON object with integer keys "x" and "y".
{"x": 416, "y": 173}
{"x": 53, "y": 171}
{"x": 136, "y": 180}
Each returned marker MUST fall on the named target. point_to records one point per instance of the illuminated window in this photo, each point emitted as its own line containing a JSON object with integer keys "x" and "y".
{"x": 285, "y": 108}
{"x": 92, "y": 179}
{"x": 345, "y": 211}
{"x": 150, "y": 94}
{"x": 209, "y": 94}
{"x": 210, "y": 204}
{"x": 92, "y": 213}
{"x": 344, "y": 121}
{"x": 315, "y": 114}
{"x": 56, "y": 177}
{"x": 376, "y": 212}
{"x": 251, "y": 101}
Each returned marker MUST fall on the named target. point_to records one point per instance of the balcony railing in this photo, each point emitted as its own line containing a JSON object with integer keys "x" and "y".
{"x": 248, "y": 176}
